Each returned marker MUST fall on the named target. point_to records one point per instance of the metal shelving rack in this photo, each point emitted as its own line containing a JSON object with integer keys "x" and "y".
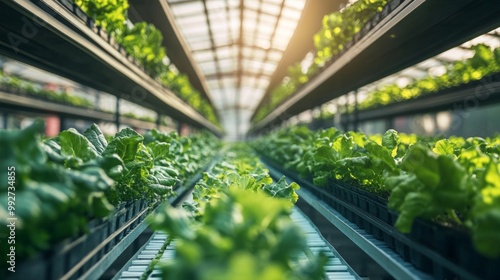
{"x": 414, "y": 31}
{"x": 486, "y": 91}
{"x": 46, "y": 34}
{"x": 471, "y": 95}
{"x": 12, "y": 103}
{"x": 376, "y": 249}
{"x": 15, "y": 103}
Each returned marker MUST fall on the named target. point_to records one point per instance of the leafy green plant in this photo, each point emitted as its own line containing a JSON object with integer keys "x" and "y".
{"x": 19, "y": 84}
{"x": 144, "y": 42}
{"x": 223, "y": 235}
{"x": 452, "y": 181}
{"x": 483, "y": 63}
{"x": 236, "y": 239}
{"x": 136, "y": 117}
{"x": 109, "y": 14}
{"x": 51, "y": 202}
{"x": 62, "y": 183}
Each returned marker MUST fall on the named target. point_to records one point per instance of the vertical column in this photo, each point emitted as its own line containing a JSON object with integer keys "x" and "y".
{"x": 179, "y": 127}
{"x": 5, "y": 120}
{"x": 356, "y": 116}
{"x": 347, "y": 118}
{"x": 336, "y": 116}
{"x": 117, "y": 114}
{"x": 97, "y": 100}
{"x": 158, "y": 120}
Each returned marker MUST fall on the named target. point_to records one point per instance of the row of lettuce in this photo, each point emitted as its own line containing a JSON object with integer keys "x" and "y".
{"x": 14, "y": 84}
{"x": 484, "y": 62}
{"x": 451, "y": 181}
{"x": 340, "y": 27}
{"x": 55, "y": 186}
{"x": 144, "y": 42}
{"x": 238, "y": 226}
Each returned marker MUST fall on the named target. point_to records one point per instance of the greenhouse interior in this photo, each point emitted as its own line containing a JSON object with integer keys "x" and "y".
{"x": 250, "y": 139}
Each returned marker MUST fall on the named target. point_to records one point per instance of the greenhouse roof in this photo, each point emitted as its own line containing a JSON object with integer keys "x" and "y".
{"x": 237, "y": 45}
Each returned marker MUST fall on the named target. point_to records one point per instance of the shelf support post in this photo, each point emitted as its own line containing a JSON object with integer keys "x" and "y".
{"x": 158, "y": 120}
{"x": 356, "y": 116}
{"x": 5, "y": 120}
{"x": 117, "y": 114}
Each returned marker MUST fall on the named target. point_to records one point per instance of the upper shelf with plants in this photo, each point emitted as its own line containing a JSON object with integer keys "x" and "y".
{"x": 100, "y": 49}
{"x": 369, "y": 40}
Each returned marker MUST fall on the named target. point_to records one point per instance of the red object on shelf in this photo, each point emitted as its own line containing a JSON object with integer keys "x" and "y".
{"x": 52, "y": 125}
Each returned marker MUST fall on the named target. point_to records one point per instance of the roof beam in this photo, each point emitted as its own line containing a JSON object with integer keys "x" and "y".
{"x": 237, "y": 44}
{"x": 219, "y": 75}
{"x": 230, "y": 34}
{"x": 240, "y": 63}
{"x": 266, "y": 58}
{"x": 211, "y": 35}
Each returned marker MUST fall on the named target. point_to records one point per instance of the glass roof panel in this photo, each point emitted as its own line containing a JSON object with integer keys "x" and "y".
{"x": 224, "y": 52}
{"x": 271, "y": 8}
{"x": 249, "y": 16}
{"x": 274, "y": 55}
{"x": 187, "y": 22}
{"x": 294, "y": 4}
{"x": 259, "y": 54}
{"x": 247, "y": 81}
{"x": 265, "y": 29}
{"x": 213, "y": 83}
{"x": 208, "y": 67}
{"x": 203, "y": 56}
{"x": 249, "y": 27}
{"x": 279, "y": 44}
{"x": 263, "y": 82}
{"x": 228, "y": 65}
{"x": 198, "y": 38}
{"x": 229, "y": 82}
{"x": 247, "y": 51}
{"x": 216, "y": 5}
{"x": 286, "y": 23}
{"x": 252, "y": 4}
{"x": 233, "y": 3}
{"x": 269, "y": 20}
{"x": 277, "y": 2}
{"x": 200, "y": 45}
{"x": 191, "y": 7}
{"x": 247, "y": 94}
{"x": 219, "y": 25}
{"x": 221, "y": 40}
{"x": 291, "y": 14}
